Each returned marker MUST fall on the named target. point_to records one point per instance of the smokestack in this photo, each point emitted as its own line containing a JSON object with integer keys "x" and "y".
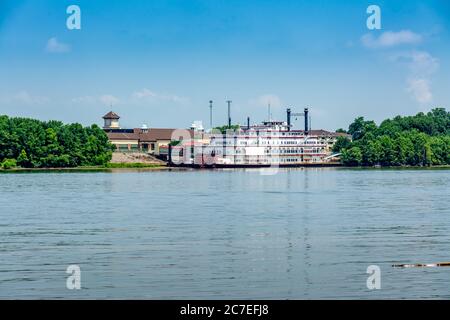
{"x": 229, "y": 113}
{"x": 169, "y": 155}
{"x": 288, "y": 112}
{"x": 248, "y": 123}
{"x": 306, "y": 121}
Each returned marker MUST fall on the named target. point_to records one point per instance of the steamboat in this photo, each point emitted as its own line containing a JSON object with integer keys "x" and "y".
{"x": 271, "y": 143}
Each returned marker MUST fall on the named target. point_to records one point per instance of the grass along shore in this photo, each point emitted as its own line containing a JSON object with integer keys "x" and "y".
{"x": 105, "y": 168}
{"x": 156, "y": 167}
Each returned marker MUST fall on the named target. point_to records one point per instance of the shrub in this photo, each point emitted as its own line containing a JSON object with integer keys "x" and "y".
{"x": 9, "y": 164}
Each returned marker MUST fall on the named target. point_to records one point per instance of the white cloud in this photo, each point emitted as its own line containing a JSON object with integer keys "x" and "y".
{"x": 420, "y": 89}
{"x": 421, "y": 65}
{"x": 421, "y": 62}
{"x": 85, "y": 99}
{"x": 54, "y": 46}
{"x": 141, "y": 96}
{"x": 108, "y": 100}
{"x": 27, "y": 98}
{"x": 24, "y": 97}
{"x": 105, "y": 99}
{"x": 391, "y": 39}
{"x": 265, "y": 99}
{"x": 152, "y": 96}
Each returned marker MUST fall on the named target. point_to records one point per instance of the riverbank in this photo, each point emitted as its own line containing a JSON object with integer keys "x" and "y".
{"x": 143, "y": 167}
{"x": 135, "y": 159}
{"x": 107, "y": 168}
{"x": 444, "y": 166}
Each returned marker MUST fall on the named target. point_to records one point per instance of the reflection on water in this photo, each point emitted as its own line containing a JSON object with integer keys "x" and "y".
{"x": 303, "y": 233}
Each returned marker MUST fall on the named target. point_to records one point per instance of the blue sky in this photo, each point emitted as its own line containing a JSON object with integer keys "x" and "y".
{"x": 159, "y": 62}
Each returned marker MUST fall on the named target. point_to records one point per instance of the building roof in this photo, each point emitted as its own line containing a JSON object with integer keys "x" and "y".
{"x": 322, "y": 132}
{"x": 122, "y": 136}
{"x": 154, "y": 134}
{"x": 147, "y": 135}
{"x": 111, "y": 115}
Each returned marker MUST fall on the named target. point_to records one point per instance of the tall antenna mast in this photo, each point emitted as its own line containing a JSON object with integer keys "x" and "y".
{"x": 269, "y": 116}
{"x": 210, "y": 114}
{"x": 229, "y": 113}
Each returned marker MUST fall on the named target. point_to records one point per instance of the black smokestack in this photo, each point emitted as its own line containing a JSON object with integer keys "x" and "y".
{"x": 169, "y": 155}
{"x": 248, "y": 123}
{"x": 306, "y": 121}
{"x": 288, "y": 112}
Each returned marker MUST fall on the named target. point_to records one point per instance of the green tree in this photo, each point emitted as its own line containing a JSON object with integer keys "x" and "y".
{"x": 419, "y": 140}
{"x": 360, "y": 127}
{"x": 223, "y": 129}
{"x": 372, "y": 153}
{"x": 439, "y": 150}
{"x": 33, "y": 143}
{"x": 341, "y": 143}
{"x": 9, "y": 164}
{"x": 422, "y": 150}
{"x": 387, "y": 157}
{"x": 404, "y": 149}
{"x": 22, "y": 159}
{"x": 352, "y": 156}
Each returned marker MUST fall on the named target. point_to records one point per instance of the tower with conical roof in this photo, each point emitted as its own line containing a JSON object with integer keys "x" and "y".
{"x": 111, "y": 120}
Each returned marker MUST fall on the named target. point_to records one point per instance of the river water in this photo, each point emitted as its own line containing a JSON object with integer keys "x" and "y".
{"x": 225, "y": 234}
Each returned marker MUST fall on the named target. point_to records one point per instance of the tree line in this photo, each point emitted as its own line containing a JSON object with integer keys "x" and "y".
{"x": 420, "y": 140}
{"x": 31, "y": 143}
